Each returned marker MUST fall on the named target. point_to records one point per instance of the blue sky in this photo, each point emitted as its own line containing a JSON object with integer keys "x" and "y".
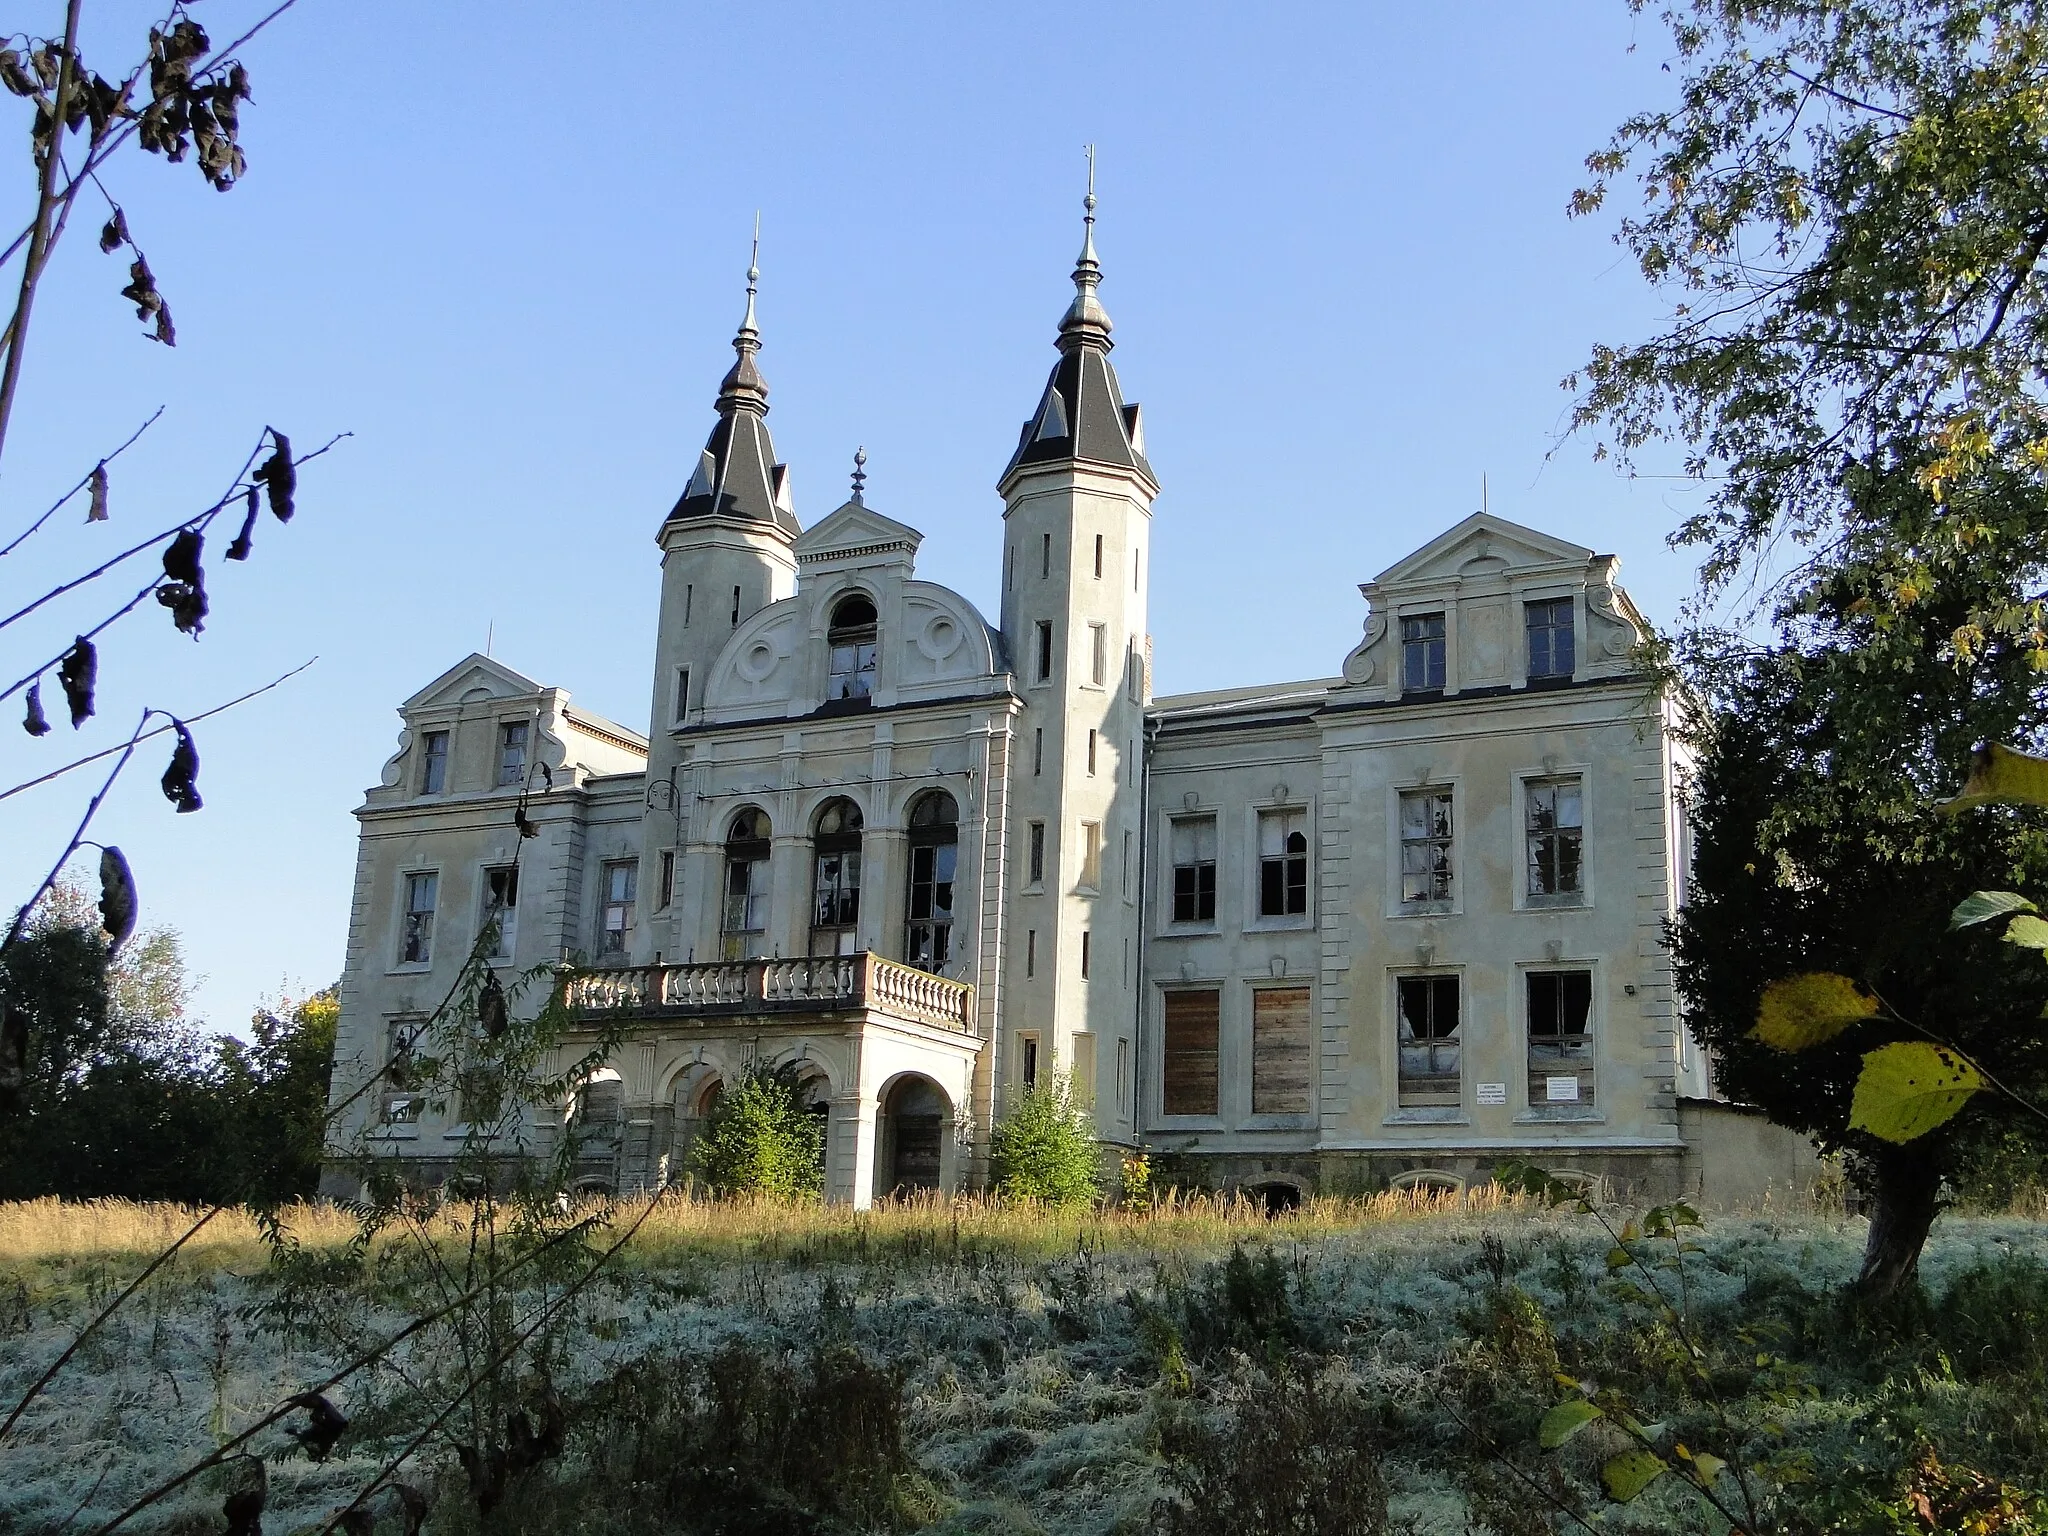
{"x": 503, "y": 245}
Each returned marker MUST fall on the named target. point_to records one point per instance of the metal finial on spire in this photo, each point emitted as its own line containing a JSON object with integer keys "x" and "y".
{"x": 753, "y": 277}
{"x": 1085, "y": 317}
{"x": 860, "y": 473}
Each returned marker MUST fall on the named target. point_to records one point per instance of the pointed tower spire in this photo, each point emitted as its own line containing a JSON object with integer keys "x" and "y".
{"x": 1086, "y": 322}
{"x": 1082, "y": 414}
{"x": 736, "y": 473}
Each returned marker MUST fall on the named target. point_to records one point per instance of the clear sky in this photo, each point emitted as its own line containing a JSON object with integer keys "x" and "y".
{"x": 503, "y": 245}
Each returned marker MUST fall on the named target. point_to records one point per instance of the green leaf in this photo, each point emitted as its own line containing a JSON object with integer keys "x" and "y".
{"x": 1707, "y": 1466}
{"x": 1908, "y": 1088}
{"x": 1982, "y": 906}
{"x": 1806, "y": 1010}
{"x": 1566, "y": 1420}
{"x": 1619, "y": 1258}
{"x": 2027, "y": 932}
{"x": 2001, "y": 776}
{"x": 1630, "y": 1473}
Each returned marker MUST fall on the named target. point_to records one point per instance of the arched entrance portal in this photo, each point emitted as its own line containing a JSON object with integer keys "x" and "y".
{"x": 916, "y": 1115}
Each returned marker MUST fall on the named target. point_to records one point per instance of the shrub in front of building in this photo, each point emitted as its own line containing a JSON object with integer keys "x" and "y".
{"x": 762, "y": 1140}
{"x": 1044, "y": 1150}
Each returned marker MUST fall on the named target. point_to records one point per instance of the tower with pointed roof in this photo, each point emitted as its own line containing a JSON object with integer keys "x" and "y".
{"x": 727, "y": 552}
{"x": 1077, "y": 512}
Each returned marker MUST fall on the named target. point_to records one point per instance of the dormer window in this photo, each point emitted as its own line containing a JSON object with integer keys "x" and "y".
{"x": 852, "y": 638}
{"x": 1550, "y": 637}
{"x": 1422, "y": 653}
{"x": 511, "y": 753}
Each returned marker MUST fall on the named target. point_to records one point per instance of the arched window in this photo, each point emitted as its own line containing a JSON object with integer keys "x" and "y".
{"x": 835, "y": 884}
{"x": 934, "y": 853}
{"x": 852, "y": 638}
{"x": 745, "y": 920}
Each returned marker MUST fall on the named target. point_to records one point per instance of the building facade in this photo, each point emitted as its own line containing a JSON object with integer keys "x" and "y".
{"x": 1387, "y": 926}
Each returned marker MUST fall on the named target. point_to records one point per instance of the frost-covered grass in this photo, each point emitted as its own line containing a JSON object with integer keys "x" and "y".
{"x": 1055, "y": 1372}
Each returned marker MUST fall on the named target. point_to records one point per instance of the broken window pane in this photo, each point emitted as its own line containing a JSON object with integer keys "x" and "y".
{"x": 1555, "y": 837}
{"x": 1426, "y": 846}
{"x": 1283, "y": 863}
{"x": 1427, "y": 1041}
{"x": 1560, "y": 1037}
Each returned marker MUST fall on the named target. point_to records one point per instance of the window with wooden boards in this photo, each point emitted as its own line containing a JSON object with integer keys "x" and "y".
{"x": 1193, "y": 1019}
{"x": 1280, "y": 1051}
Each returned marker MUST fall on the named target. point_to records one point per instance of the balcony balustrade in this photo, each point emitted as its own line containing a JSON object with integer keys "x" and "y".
{"x": 824, "y": 984}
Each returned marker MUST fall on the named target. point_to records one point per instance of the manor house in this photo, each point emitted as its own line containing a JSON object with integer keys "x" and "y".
{"x": 1383, "y": 927}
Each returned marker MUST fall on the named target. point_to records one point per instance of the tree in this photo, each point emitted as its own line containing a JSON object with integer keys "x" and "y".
{"x": 1807, "y": 861}
{"x": 272, "y": 1097}
{"x": 1044, "y": 1150}
{"x": 761, "y": 1139}
{"x": 1848, "y": 205}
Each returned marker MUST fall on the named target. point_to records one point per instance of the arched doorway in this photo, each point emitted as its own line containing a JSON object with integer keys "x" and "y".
{"x": 916, "y": 1114}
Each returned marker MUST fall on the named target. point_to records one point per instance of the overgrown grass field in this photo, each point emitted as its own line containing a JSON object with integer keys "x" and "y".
{"x": 1364, "y": 1365}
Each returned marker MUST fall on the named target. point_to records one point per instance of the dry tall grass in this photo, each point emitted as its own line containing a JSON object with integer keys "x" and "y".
{"x": 50, "y": 1232}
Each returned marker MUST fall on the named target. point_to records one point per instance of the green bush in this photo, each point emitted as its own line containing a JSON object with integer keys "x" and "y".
{"x": 1044, "y": 1148}
{"x": 761, "y": 1139}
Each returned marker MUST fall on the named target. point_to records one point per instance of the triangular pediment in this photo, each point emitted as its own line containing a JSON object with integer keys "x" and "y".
{"x": 1483, "y": 542}
{"x": 467, "y": 676}
{"x": 854, "y": 527}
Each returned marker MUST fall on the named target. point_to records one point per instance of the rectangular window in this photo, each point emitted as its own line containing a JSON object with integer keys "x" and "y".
{"x": 1098, "y": 639}
{"x": 1123, "y": 1076}
{"x": 416, "y": 944}
{"x": 1124, "y": 866}
{"x": 1422, "y": 652}
{"x": 1556, "y": 832}
{"x": 1045, "y": 650}
{"x": 401, "y": 1101}
{"x": 735, "y": 607}
{"x": 501, "y": 906}
{"x": 835, "y": 894}
{"x": 1035, "y": 866}
{"x": 1045, "y": 558}
{"x": 615, "y": 913}
{"x": 1550, "y": 637}
{"x": 1188, "y": 1078}
{"x": 433, "y": 762}
{"x": 1560, "y": 1037}
{"x": 1192, "y": 841}
{"x": 1038, "y": 752}
{"x": 512, "y": 753}
{"x": 1087, "y": 949}
{"x": 1134, "y": 569}
{"x": 1010, "y": 569}
{"x": 1084, "y": 1069}
{"x": 689, "y": 602}
{"x": 682, "y": 698}
{"x": 1030, "y": 1044}
{"x": 1283, "y": 863}
{"x": 1426, "y": 846}
{"x": 1031, "y": 953}
{"x": 1430, "y": 1071}
{"x": 1091, "y": 855}
{"x": 1091, "y": 754}
{"x": 928, "y": 937}
{"x": 1280, "y": 1051}
{"x": 666, "y": 895}
{"x": 1098, "y": 557}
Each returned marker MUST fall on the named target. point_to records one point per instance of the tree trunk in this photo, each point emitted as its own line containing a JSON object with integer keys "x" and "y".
{"x": 1902, "y": 1185}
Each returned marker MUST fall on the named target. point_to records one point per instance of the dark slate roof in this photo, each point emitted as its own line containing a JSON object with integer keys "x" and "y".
{"x": 1082, "y": 414}
{"x": 737, "y": 474}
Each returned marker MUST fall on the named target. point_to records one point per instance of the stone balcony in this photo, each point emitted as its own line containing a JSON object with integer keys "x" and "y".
{"x": 857, "y": 983}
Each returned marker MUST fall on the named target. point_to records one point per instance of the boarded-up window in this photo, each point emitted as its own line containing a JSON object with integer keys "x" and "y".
{"x": 1280, "y": 1051}
{"x": 1560, "y": 1037}
{"x": 1189, "y": 1077}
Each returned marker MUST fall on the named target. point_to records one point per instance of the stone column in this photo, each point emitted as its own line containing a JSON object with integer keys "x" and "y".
{"x": 850, "y": 1153}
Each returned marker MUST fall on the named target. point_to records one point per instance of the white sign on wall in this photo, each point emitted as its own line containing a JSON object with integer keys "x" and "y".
{"x": 1561, "y": 1090}
{"x": 1493, "y": 1093}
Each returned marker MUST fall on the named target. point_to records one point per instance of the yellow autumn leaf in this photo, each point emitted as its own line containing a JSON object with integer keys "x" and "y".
{"x": 2001, "y": 776}
{"x": 1804, "y": 1011}
{"x": 1908, "y": 1088}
